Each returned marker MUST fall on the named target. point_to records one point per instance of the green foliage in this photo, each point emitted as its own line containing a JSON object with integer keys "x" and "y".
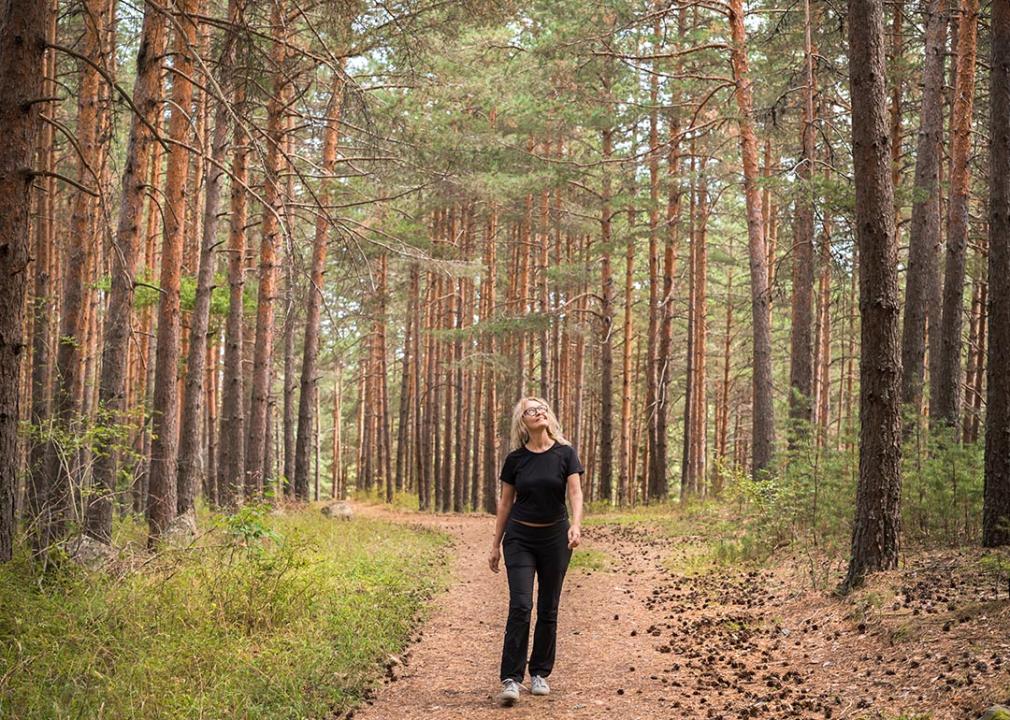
{"x": 218, "y": 295}
{"x": 145, "y": 293}
{"x": 808, "y": 497}
{"x": 279, "y": 617}
{"x": 996, "y": 564}
{"x": 103, "y": 433}
{"x": 942, "y": 488}
{"x": 808, "y": 501}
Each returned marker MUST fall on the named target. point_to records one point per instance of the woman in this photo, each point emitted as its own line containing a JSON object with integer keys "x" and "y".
{"x": 538, "y": 538}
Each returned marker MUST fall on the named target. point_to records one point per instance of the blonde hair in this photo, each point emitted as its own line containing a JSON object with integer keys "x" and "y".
{"x": 518, "y": 434}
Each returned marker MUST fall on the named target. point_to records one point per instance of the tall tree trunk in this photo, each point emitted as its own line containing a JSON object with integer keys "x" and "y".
{"x": 210, "y": 490}
{"x": 290, "y": 380}
{"x": 23, "y": 27}
{"x": 68, "y": 388}
{"x": 948, "y": 384}
{"x": 977, "y": 343}
{"x": 894, "y": 59}
{"x": 697, "y": 415}
{"x": 924, "y": 231}
{"x": 875, "y": 531}
{"x": 663, "y": 373}
{"x": 686, "y": 489}
{"x": 996, "y": 501}
{"x": 762, "y": 413}
{"x": 310, "y": 351}
{"x": 626, "y": 474}
{"x": 231, "y": 442}
{"x": 801, "y": 345}
{"x": 652, "y": 349}
{"x": 271, "y": 234}
{"x": 337, "y": 471}
{"x": 407, "y": 391}
{"x": 126, "y": 249}
{"x": 607, "y": 314}
{"x": 162, "y": 496}
{"x": 488, "y": 290}
{"x": 822, "y": 370}
{"x": 191, "y": 471}
{"x": 419, "y": 389}
{"x": 45, "y": 291}
{"x": 722, "y": 415}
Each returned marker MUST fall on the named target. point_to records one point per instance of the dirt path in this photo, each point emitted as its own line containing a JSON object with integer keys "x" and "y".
{"x": 636, "y": 641}
{"x": 453, "y": 671}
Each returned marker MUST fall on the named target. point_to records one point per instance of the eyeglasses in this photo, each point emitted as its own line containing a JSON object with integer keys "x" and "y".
{"x": 531, "y": 411}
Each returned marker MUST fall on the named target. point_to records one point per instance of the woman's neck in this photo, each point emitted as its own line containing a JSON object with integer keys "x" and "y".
{"x": 539, "y": 440}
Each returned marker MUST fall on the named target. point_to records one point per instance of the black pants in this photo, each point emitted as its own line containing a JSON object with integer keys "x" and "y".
{"x": 529, "y": 550}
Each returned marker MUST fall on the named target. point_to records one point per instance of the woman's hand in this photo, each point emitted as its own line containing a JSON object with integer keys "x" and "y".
{"x": 493, "y": 558}
{"x": 574, "y": 536}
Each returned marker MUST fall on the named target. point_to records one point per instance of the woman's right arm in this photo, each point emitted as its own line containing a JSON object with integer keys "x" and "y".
{"x": 501, "y": 517}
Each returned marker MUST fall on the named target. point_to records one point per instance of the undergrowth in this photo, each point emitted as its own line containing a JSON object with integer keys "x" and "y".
{"x": 266, "y": 616}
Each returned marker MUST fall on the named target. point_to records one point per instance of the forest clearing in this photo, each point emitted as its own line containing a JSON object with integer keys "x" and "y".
{"x": 344, "y": 340}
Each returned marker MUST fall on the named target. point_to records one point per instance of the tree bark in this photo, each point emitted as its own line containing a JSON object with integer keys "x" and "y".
{"x": 923, "y": 233}
{"x": 162, "y": 496}
{"x": 652, "y": 339}
{"x": 996, "y": 494}
{"x": 948, "y": 384}
{"x": 875, "y": 531}
{"x": 68, "y": 387}
{"x": 488, "y": 291}
{"x": 663, "y": 373}
{"x": 801, "y": 344}
{"x": 762, "y": 413}
{"x": 126, "y": 249}
{"x": 257, "y": 438}
{"x": 191, "y": 463}
{"x": 45, "y": 290}
{"x": 231, "y": 437}
{"x": 310, "y": 350}
{"x": 23, "y": 28}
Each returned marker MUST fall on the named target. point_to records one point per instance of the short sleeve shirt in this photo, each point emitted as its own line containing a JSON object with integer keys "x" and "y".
{"x": 540, "y": 479}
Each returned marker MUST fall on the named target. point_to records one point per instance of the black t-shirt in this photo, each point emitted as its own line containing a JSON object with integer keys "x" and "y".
{"x": 540, "y": 479}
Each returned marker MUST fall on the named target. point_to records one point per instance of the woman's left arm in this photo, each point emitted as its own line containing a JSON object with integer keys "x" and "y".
{"x": 575, "y": 498}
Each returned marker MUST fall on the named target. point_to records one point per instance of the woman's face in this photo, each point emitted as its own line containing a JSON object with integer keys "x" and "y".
{"x": 534, "y": 415}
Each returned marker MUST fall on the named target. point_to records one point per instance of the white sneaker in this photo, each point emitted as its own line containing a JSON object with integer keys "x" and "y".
{"x": 509, "y": 694}
{"x": 539, "y": 685}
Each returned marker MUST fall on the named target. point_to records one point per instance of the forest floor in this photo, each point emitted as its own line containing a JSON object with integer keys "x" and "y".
{"x": 646, "y": 636}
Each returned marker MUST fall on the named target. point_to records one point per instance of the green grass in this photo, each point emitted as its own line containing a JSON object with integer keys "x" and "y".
{"x": 589, "y": 560}
{"x": 718, "y": 538}
{"x": 401, "y": 500}
{"x": 267, "y": 617}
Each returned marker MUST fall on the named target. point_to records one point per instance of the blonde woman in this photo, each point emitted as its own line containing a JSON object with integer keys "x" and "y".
{"x": 533, "y": 530}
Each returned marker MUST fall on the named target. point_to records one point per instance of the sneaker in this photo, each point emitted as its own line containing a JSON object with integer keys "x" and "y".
{"x": 539, "y": 685}
{"x": 509, "y": 694}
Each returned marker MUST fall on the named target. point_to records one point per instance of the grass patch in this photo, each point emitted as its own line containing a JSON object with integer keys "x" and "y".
{"x": 403, "y": 500}
{"x": 280, "y": 617}
{"x": 714, "y": 534}
{"x": 589, "y": 560}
